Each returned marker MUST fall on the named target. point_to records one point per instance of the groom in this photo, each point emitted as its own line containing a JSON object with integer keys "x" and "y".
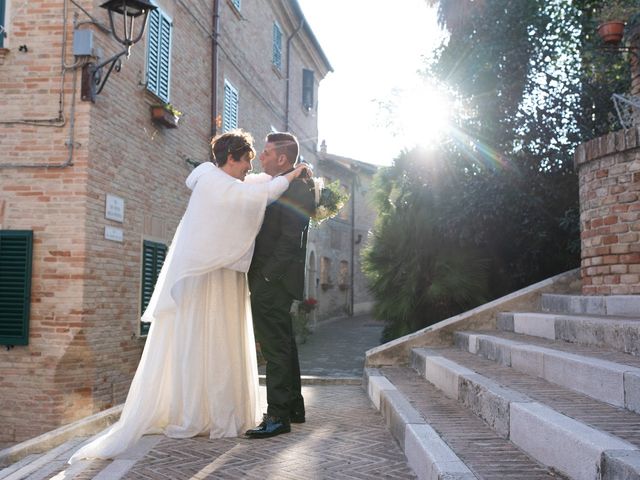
{"x": 276, "y": 278}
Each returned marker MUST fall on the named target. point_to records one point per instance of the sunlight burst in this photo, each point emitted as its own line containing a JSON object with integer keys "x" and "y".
{"x": 422, "y": 115}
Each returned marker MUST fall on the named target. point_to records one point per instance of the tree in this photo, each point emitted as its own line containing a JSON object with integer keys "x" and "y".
{"x": 497, "y": 203}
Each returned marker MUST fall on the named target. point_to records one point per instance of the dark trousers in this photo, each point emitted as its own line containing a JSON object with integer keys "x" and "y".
{"x": 270, "y": 305}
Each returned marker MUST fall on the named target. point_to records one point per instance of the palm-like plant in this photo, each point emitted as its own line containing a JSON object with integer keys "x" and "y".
{"x": 417, "y": 275}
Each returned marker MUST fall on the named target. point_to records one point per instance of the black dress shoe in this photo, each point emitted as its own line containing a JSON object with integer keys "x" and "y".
{"x": 270, "y": 427}
{"x": 296, "y": 417}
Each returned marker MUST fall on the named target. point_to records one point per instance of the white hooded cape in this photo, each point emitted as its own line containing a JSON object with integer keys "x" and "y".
{"x": 218, "y": 230}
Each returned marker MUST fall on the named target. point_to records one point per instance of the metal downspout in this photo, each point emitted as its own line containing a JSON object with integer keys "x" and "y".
{"x": 286, "y": 108}
{"x": 214, "y": 69}
{"x": 353, "y": 243}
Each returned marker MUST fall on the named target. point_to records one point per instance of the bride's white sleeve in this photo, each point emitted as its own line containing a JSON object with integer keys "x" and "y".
{"x": 277, "y": 187}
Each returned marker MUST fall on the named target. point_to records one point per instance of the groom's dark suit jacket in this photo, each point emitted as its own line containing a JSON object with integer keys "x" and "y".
{"x": 281, "y": 244}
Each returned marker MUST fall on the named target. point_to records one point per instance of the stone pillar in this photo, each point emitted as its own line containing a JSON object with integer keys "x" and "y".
{"x": 609, "y": 175}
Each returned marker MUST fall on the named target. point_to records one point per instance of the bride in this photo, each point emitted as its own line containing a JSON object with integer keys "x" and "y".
{"x": 198, "y": 371}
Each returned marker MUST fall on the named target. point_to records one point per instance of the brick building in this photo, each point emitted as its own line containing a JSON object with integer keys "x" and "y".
{"x": 334, "y": 268}
{"x": 91, "y": 193}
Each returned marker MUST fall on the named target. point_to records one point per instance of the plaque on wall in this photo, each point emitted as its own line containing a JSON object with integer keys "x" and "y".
{"x": 113, "y": 233}
{"x": 114, "y": 208}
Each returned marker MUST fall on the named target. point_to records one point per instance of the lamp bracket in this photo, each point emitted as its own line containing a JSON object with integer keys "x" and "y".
{"x": 92, "y": 80}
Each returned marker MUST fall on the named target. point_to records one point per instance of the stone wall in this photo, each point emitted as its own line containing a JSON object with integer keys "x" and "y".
{"x": 609, "y": 175}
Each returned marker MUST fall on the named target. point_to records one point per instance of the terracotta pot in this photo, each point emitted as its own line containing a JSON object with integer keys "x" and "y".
{"x": 611, "y": 32}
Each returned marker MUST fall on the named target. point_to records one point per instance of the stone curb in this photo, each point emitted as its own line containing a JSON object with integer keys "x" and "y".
{"x": 561, "y": 442}
{"x": 84, "y": 427}
{"x": 606, "y": 381}
{"x": 428, "y": 455}
{"x": 550, "y": 437}
{"x": 622, "y": 305}
{"x": 618, "y": 333}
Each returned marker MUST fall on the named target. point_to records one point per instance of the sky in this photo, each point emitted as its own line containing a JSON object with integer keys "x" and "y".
{"x": 376, "y": 49}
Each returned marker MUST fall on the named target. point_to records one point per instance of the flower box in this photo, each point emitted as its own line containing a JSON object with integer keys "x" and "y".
{"x": 164, "y": 116}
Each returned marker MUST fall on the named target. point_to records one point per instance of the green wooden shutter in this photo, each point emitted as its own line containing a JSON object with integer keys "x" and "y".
{"x": 153, "y": 255}
{"x": 159, "y": 54}
{"x": 2, "y": 26}
{"x": 16, "y": 248}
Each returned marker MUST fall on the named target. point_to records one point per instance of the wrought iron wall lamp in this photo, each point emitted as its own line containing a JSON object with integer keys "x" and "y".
{"x": 92, "y": 78}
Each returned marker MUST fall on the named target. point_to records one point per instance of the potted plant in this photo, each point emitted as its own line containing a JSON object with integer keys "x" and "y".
{"x": 613, "y": 16}
{"x": 165, "y": 114}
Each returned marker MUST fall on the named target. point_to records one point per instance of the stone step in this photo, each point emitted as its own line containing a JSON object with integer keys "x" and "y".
{"x": 53, "y": 464}
{"x": 617, "y": 305}
{"x": 42, "y": 466}
{"x": 567, "y": 431}
{"x": 440, "y": 437}
{"x": 428, "y": 455}
{"x": 605, "y": 375}
{"x": 619, "y": 333}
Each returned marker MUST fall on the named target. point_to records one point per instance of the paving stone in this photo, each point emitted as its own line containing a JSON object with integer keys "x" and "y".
{"x": 344, "y": 438}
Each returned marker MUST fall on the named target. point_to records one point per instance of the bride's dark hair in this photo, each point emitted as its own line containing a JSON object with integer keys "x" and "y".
{"x": 235, "y": 143}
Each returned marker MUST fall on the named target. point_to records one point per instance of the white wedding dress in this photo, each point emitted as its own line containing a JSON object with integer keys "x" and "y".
{"x": 198, "y": 372}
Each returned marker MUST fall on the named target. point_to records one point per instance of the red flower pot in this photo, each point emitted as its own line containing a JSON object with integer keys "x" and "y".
{"x": 611, "y": 32}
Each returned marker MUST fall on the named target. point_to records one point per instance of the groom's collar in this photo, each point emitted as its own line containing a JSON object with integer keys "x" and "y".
{"x": 286, "y": 171}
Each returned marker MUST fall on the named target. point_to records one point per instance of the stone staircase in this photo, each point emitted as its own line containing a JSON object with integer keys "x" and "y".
{"x": 546, "y": 392}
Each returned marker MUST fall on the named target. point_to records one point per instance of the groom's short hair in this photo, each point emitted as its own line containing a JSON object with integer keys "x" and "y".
{"x": 235, "y": 143}
{"x": 286, "y": 144}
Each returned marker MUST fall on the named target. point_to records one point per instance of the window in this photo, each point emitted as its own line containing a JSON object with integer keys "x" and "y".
{"x": 159, "y": 54}
{"x": 325, "y": 271}
{"x": 153, "y": 255}
{"x": 3, "y": 30}
{"x": 236, "y": 3}
{"x": 343, "y": 277}
{"x": 307, "y": 89}
{"x": 277, "y": 46}
{"x": 230, "y": 113}
{"x": 16, "y": 248}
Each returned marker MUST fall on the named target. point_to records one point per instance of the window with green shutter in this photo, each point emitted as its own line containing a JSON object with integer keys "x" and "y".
{"x": 3, "y": 30}
{"x": 277, "y": 46}
{"x": 16, "y": 248}
{"x": 159, "y": 54}
{"x": 153, "y": 255}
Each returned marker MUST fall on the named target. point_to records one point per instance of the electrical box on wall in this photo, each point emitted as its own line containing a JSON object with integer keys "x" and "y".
{"x": 83, "y": 42}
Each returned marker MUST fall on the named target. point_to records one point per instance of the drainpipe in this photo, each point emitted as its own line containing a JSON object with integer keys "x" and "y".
{"x": 214, "y": 69}
{"x": 286, "y": 108}
{"x": 353, "y": 242}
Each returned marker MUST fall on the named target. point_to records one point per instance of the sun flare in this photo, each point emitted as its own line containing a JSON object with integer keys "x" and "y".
{"x": 422, "y": 115}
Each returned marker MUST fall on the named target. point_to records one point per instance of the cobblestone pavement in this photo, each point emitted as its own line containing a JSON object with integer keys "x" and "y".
{"x": 336, "y": 348}
{"x": 344, "y": 438}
